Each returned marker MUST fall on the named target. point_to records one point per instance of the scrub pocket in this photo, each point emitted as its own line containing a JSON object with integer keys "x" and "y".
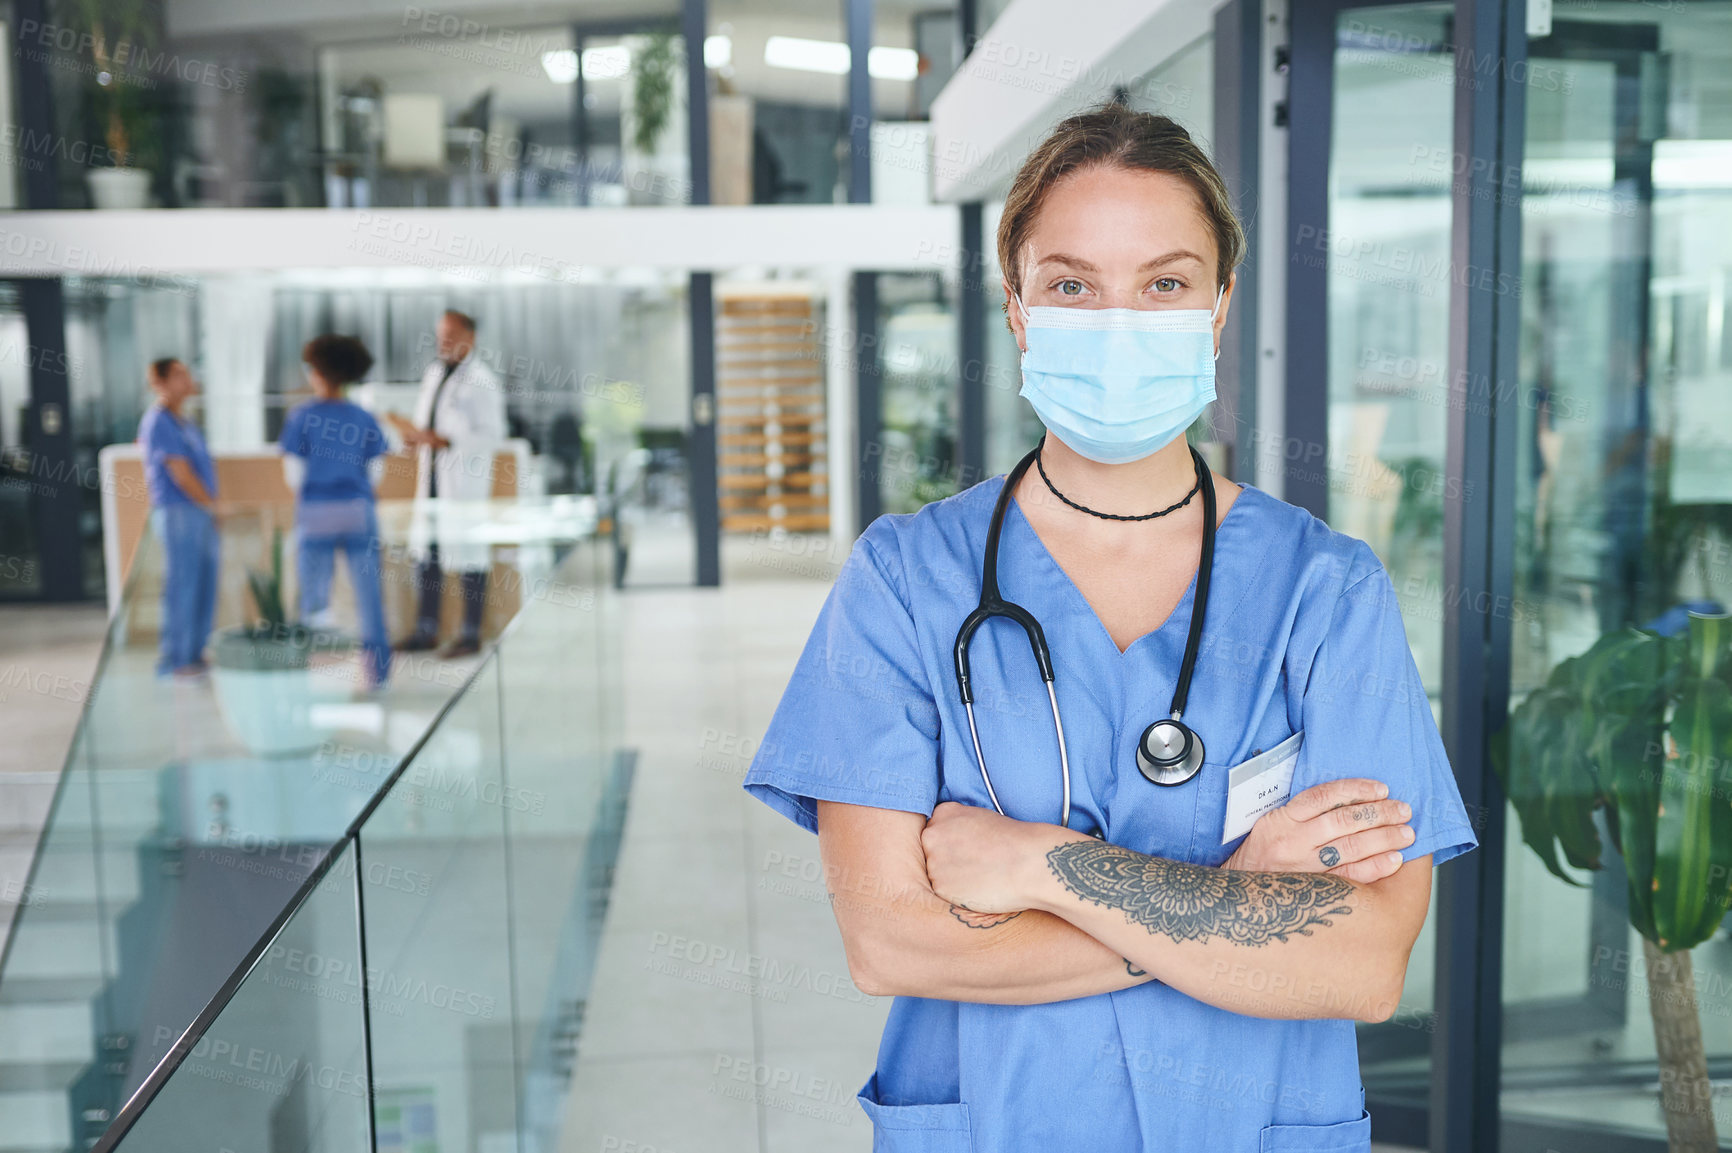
{"x": 1347, "y": 1137}
{"x": 916, "y": 1128}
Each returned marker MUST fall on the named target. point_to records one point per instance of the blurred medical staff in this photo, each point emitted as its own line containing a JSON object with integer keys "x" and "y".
{"x": 459, "y": 424}
{"x": 333, "y": 456}
{"x": 183, "y": 489}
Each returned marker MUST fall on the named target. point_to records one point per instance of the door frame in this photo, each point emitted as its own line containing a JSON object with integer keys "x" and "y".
{"x": 1455, "y": 1109}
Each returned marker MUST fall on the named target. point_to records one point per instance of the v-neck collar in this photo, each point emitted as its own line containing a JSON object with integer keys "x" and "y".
{"x": 1185, "y": 600}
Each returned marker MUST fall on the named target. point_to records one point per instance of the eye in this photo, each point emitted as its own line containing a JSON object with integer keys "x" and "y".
{"x": 1069, "y": 287}
{"x": 1168, "y": 284}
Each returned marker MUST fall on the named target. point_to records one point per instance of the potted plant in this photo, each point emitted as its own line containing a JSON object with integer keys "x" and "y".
{"x": 653, "y": 174}
{"x": 263, "y": 672}
{"x": 120, "y": 33}
{"x": 1639, "y": 728}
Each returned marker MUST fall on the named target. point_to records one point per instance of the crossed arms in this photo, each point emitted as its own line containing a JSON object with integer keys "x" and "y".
{"x": 972, "y": 906}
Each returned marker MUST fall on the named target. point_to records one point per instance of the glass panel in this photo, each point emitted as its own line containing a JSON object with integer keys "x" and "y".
{"x": 60, "y": 959}
{"x": 594, "y": 374}
{"x": 192, "y": 808}
{"x": 564, "y": 796}
{"x": 437, "y": 918}
{"x": 1387, "y": 252}
{"x": 631, "y": 140}
{"x": 114, "y": 330}
{"x": 779, "y": 109}
{"x": 284, "y": 1065}
{"x": 237, "y": 106}
{"x": 1624, "y": 466}
{"x": 918, "y": 379}
{"x": 20, "y": 563}
{"x": 1012, "y": 428}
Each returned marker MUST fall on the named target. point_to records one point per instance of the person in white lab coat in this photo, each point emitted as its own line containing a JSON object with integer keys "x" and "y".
{"x": 459, "y": 424}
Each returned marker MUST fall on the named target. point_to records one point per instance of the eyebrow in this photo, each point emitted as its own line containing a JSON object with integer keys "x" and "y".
{"x": 1085, "y": 266}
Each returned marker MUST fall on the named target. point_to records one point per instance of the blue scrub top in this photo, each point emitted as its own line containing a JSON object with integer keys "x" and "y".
{"x": 163, "y": 435}
{"x": 1303, "y": 633}
{"x": 336, "y": 438}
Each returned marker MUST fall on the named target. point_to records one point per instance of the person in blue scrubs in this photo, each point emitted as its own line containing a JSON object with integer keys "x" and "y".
{"x": 1169, "y": 966}
{"x": 181, "y": 480}
{"x": 333, "y": 454}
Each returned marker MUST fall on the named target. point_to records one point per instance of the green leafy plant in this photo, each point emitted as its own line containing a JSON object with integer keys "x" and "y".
{"x": 266, "y": 586}
{"x": 122, "y": 32}
{"x": 1638, "y": 729}
{"x": 271, "y": 640}
{"x": 652, "y": 74}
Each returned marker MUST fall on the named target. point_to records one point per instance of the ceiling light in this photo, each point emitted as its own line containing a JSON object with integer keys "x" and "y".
{"x": 893, "y": 63}
{"x": 718, "y": 51}
{"x": 835, "y": 59}
{"x": 806, "y": 55}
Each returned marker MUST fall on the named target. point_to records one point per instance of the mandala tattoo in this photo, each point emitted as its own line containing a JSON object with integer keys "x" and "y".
{"x": 1329, "y": 855}
{"x": 1194, "y": 903}
{"x": 982, "y": 920}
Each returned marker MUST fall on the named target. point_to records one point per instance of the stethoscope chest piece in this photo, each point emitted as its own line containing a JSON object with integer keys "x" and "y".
{"x": 1169, "y": 753}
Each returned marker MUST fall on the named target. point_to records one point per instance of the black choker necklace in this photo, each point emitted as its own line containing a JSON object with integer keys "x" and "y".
{"x": 1113, "y": 515}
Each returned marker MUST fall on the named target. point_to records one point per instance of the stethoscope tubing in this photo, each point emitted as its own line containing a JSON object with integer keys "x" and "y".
{"x": 992, "y": 604}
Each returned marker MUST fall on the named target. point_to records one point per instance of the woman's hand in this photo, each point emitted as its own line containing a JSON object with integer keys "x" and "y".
{"x": 1349, "y": 828}
{"x": 979, "y": 861}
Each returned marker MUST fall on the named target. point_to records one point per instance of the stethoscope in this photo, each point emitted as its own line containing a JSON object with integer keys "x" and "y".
{"x": 1169, "y": 752}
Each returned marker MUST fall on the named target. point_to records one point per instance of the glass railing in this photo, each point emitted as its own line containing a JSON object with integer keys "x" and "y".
{"x": 427, "y": 111}
{"x": 204, "y": 831}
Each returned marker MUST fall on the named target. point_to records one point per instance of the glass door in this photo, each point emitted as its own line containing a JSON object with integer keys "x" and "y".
{"x": 1623, "y": 513}
{"x": 1372, "y": 266}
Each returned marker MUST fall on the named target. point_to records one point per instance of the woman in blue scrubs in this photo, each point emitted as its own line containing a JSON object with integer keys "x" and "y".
{"x": 333, "y": 456}
{"x": 1110, "y": 962}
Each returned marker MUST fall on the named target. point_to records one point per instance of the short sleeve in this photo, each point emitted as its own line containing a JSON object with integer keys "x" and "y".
{"x": 372, "y": 436}
{"x": 857, "y": 722}
{"x": 1365, "y": 714}
{"x": 162, "y": 439}
{"x": 294, "y": 439}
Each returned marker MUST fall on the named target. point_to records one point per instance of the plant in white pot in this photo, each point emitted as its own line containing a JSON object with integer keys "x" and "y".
{"x": 263, "y": 672}
{"x": 119, "y": 34}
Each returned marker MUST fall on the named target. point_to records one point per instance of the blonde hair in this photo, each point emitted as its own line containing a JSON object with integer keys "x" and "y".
{"x": 1116, "y": 135}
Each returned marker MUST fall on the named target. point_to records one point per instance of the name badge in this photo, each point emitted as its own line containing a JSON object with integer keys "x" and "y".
{"x": 1259, "y": 785}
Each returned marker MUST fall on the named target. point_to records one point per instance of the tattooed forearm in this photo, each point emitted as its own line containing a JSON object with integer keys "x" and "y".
{"x": 982, "y": 920}
{"x": 1131, "y": 968}
{"x": 1192, "y": 903}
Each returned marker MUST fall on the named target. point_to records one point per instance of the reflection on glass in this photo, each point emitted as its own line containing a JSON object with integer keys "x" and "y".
{"x": 284, "y": 1065}
{"x": 1387, "y": 254}
{"x": 1623, "y": 518}
{"x": 434, "y": 881}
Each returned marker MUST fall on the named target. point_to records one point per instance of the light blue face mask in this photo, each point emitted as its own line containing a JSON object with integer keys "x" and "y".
{"x": 1117, "y": 384}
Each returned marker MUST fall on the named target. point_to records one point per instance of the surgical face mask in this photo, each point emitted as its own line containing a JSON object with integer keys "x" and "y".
{"x": 1117, "y": 384}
